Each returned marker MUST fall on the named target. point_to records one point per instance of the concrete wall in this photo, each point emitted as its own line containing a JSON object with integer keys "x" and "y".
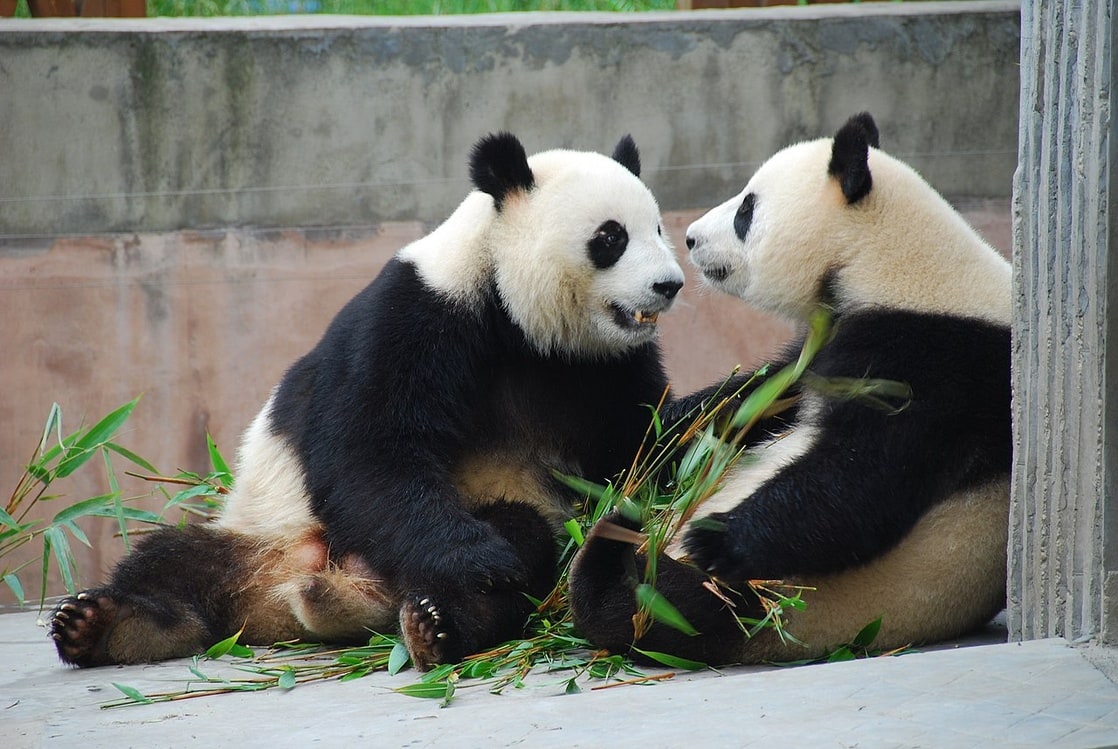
{"x": 1063, "y": 568}
{"x": 185, "y": 204}
{"x": 305, "y": 121}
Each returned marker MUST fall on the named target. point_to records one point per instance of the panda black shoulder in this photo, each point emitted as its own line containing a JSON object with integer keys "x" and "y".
{"x": 395, "y": 321}
{"x": 956, "y": 369}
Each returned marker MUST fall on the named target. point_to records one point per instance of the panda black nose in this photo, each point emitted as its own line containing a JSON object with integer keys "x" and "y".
{"x": 667, "y": 288}
{"x": 690, "y": 242}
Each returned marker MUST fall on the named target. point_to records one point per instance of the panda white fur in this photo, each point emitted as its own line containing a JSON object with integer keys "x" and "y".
{"x": 401, "y": 473}
{"x": 901, "y": 516}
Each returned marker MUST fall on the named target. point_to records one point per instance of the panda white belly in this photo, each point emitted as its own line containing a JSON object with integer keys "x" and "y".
{"x": 269, "y": 499}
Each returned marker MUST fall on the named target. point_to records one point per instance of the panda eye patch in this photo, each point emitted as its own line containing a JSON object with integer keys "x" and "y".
{"x": 744, "y": 217}
{"x": 608, "y": 244}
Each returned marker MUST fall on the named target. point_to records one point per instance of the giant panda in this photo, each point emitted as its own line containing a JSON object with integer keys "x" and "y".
{"x": 403, "y": 473}
{"x": 899, "y": 516}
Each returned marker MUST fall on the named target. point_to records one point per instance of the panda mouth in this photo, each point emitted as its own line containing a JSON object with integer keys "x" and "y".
{"x": 717, "y": 273}
{"x": 633, "y": 319}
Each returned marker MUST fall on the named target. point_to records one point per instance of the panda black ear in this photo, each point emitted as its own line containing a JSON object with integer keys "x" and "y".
{"x": 850, "y": 156}
{"x": 499, "y": 167}
{"x": 627, "y": 155}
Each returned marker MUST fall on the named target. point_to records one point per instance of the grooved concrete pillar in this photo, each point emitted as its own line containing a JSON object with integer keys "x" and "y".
{"x": 1063, "y": 556}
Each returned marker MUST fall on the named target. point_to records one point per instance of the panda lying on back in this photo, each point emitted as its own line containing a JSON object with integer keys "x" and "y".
{"x": 901, "y": 516}
{"x": 402, "y": 472}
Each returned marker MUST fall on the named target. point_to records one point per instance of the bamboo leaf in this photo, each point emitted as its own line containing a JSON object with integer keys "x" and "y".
{"x": 241, "y": 651}
{"x": 661, "y": 609}
{"x": 439, "y": 673}
{"x": 582, "y": 486}
{"x": 449, "y": 693}
{"x": 118, "y": 505}
{"x": 657, "y": 424}
{"x": 85, "y": 445}
{"x": 479, "y": 669}
{"x": 356, "y": 674}
{"x": 672, "y": 661}
{"x": 8, "y": 520}
{"x": 630, "y": 510}
{"x": 868, "y": 634}
{"x": 221, "y": 468}
{"x": 83, "y": 508}
{"x": 286, "y": 678}
{"x": 574, "y": 530}
{"x": 201, "y": 490}
{"x": 103, "y": 430}
{"x": 398, "y": 658}
{"x": 218, "y": 649}
{"x": 54, "y": 423}
{"x": 425, "y": 690}
{"x": 13, "y": 583}
{"x": 54, "y": 542}
{"x": 133, "y": 694}
{"x": 77, "y": 533}
{"x": 131, "y": 457}
{"x": 129, "y": 513}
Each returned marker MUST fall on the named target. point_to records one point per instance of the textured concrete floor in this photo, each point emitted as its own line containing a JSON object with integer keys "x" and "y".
{"x": 1036, "y": 694}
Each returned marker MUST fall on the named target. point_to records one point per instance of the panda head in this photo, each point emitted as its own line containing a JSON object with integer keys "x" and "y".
{"x": 837, "y": 221}
{"x": 576, "y": 250}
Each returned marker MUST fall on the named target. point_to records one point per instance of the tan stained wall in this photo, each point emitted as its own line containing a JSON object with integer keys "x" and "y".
{"x": 203, "y": 324}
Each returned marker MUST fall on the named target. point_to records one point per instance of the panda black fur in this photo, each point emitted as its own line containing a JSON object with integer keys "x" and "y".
{"x": 401, "y": 473}
{"x": 901, "y": 516}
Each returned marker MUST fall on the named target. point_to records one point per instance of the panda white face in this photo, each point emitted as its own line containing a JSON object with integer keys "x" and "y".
{"x": 839, "y": 222}
{"x": 774, "y": 243}
{"x": 580, "y": 260}
{"x": 570, "y": 241}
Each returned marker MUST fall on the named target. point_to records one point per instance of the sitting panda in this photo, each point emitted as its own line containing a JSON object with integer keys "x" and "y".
{"x": 402, "y": 473}
{"x": 901, "y": 516}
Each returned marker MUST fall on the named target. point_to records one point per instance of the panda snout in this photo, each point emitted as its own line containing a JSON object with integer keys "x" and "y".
{"x": 667, "y": 289}
{"x": 691, "y": 242}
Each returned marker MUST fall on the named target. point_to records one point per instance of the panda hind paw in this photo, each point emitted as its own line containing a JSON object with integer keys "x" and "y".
{"x": 80, "y": 627}
{"x": 427, "y": 633}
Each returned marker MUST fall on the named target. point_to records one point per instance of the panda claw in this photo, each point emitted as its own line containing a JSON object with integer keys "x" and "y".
{"x": 80, "y": 627}
{"x": 425, "y": 634}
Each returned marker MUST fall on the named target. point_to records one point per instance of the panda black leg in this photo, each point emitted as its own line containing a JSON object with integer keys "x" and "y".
{"x": 179, "y": 591}
{"x": 444, "y": 624}
{"x": 604, "y": 576}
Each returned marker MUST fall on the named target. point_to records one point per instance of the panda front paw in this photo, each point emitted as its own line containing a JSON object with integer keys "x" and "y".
{"x": 491, "y": 564}
{"x": 427, "y": 632}
{"x": 80, "y": 627}
{"x": 717, "y": 547}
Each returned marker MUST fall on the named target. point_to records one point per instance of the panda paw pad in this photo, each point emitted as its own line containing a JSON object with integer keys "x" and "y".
{"x": 80, "y": 626}
{"x": 426, "y": 632}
